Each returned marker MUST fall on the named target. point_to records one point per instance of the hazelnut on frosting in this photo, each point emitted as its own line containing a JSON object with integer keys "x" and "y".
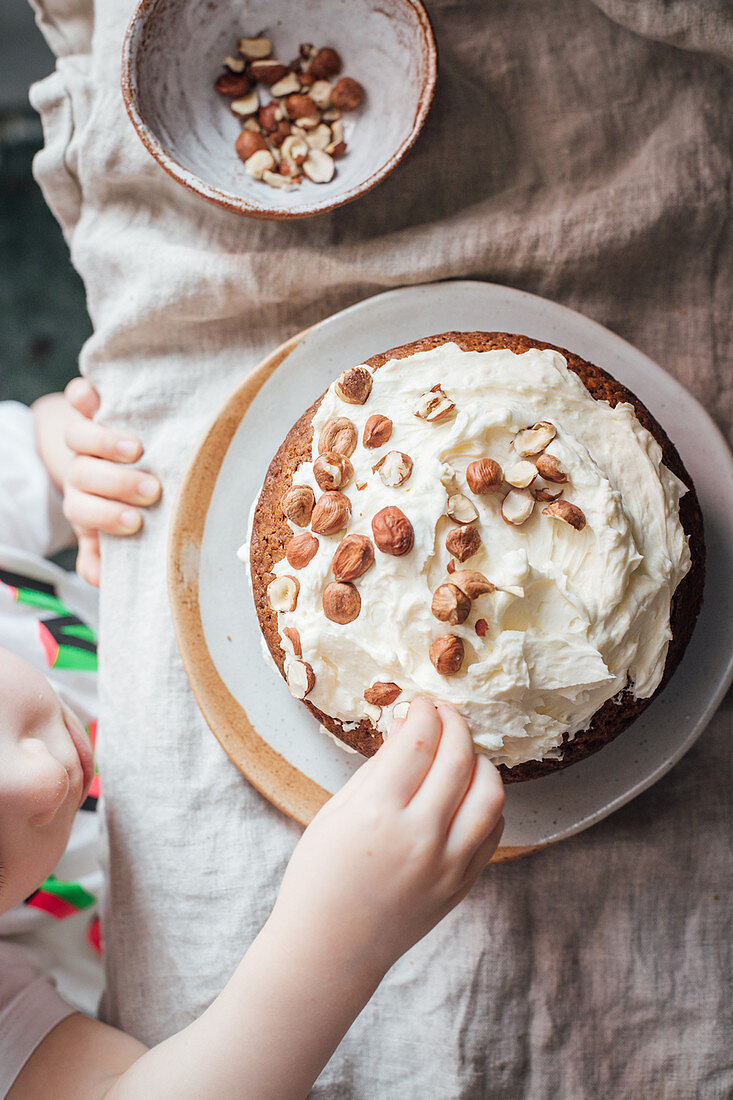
{"x": 572, "y": 568}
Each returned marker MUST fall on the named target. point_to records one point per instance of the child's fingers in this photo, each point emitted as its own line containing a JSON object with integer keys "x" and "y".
{"x": 480, "y": 859}
{"x": 350, "y": 788}
{"x": 404, "y": 759}
{"x": 87, "y": 438}
{"x": 110, "y": 480}
{"x": 88, "y": 562}
{"x": 98, "y": 514}
{"x": 479, "y": 811}
{"x": 450, "y": 775}
{"x": 82, "y": 396}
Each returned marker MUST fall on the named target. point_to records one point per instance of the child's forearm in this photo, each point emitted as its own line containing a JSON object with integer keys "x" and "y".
{"x": 272, "y": 1029}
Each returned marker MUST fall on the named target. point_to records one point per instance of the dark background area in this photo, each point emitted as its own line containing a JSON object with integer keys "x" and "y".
{"x": 43, "y": 317}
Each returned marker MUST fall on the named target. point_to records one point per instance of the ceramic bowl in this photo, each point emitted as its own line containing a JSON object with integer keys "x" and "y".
{"x": 173, "y": 54}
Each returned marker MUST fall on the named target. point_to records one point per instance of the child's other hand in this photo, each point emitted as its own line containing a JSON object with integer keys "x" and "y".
{"x": 400, "y": 844}
{"x": 100, "y": 494}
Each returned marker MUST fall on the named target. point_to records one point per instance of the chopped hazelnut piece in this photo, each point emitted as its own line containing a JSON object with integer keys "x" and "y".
{"x": 461, "y": 509}
{"x": 530, "y": 441}
{"x": 550, "y": 469}
{"x": 297, "y": 504}
{"x": 301, "y": 678}
{"x": 354, "y": 385}
{"x": 517, "y": 507}
{"x": 567, "y": 513}
{"x": 434, "y": 405}
{"x": 394, "y": 468}
{"x": 282, "y": 593}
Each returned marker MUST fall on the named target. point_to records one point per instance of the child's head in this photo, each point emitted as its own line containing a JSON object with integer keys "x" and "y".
{"x": 46, "y": 768}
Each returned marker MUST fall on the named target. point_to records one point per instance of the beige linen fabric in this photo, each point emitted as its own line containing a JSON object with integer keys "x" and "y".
{"x": 576, "y": 150}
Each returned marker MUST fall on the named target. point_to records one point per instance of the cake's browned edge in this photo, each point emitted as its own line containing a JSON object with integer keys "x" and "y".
{"x": 270, "y": 534}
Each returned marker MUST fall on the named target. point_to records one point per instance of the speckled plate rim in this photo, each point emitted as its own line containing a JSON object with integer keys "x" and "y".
{"x": 236, "y": 203}
{"x": 280, "y": 782}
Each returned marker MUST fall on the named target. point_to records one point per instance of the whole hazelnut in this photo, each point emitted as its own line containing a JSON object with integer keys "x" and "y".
{"x": 446, "y": 653}
{"x": 481, "y": 627}
{"x": 377, "y": 431}
{"x": 347, "y": 94}
{"x": 354, "y": 385}
{"x": 462, "y": 542}
{"x": 301, "y": 549}
{"x": 393, "y": 532}
{"x": 326, "y": 63}
{"x": 331, "y": 513}
{"x": 268, "y": 71}
{"x": 382, "y": 693}
{"x": 298, "y": 105}
{"x": 332, "y": 470}
{"x": 278, "y": 135}
{"x": 341, "y": 602}
{"x": 339, "y": 435}
{"x": 248, "y": 143}
{"x": 354, "y": 555}
{"x": 484, "y": 476}
{"x": 269, "y": 116}
{"x": 297, "y": 504}
{"x": 233, "y": 85}
{"x": 450, "y": 604}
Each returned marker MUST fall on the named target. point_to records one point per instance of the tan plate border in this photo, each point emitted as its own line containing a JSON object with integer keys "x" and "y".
{"x": 282, "y": 784}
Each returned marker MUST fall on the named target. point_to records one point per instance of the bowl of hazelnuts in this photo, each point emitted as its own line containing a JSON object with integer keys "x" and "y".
{"x": 279, "y": 110}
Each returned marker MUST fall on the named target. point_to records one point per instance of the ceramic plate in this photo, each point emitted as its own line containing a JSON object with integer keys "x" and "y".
{"x": 268, "y": 734}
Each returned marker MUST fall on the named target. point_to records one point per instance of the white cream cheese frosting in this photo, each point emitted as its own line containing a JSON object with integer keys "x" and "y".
{"x": 595, "y": 615}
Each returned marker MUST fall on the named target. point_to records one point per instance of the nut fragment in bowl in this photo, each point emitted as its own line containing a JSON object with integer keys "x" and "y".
{"x": 191, "y": 130}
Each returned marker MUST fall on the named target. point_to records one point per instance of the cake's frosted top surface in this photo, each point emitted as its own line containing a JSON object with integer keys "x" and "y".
{"x": 580, "y": 612}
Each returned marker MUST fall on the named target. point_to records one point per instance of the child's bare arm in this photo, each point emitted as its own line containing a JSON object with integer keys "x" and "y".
{"x": 394, "y": 851}
{"x": 90, "y": 464}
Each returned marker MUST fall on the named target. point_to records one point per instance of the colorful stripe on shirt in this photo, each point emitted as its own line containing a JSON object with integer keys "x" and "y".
{"x": 66, "y": 641}
{"x": 60, "y": 899}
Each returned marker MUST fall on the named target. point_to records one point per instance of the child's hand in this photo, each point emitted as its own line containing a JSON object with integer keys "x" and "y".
{"x": 98, "y": 492}
{"x": 401, "y": 843}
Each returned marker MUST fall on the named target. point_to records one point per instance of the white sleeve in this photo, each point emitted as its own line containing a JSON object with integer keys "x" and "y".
{"x": 30, "y": 1007}
{"x": 31, "y": 515}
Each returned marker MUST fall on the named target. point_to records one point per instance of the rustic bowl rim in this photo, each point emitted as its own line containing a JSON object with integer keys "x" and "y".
{"x": 236, "y": 203}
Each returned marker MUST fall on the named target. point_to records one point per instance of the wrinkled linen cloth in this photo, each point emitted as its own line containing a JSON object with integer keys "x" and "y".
{"x": 577, "y": 150}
